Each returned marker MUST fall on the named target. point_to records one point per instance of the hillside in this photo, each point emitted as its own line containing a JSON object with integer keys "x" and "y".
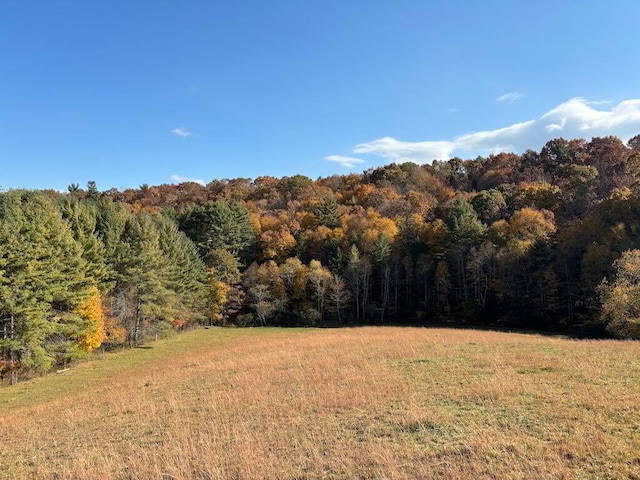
{"x": 335, "y": 403}
{"x": 546, "y": 241}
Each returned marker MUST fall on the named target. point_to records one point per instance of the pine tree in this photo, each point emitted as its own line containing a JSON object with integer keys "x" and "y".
{"x": 221, "y": 225}
{"x": 142, "y": 296}
{"x": 327, "y": 213}
{"x": 186, "y": 274}
{"x": 92, "y": 191}
{"x": 83, "y": 220}
{"x": 111, "y": 220}
{"x": 43, "y": 280}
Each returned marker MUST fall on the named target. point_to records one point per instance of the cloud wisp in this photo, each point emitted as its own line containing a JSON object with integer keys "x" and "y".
{"x": 347, "y": 162}
{"x": 180, "y": 179}
{"x": 181, "y": 132}
{"x": 510, "y": 97}
{"x": 575, "y": 118}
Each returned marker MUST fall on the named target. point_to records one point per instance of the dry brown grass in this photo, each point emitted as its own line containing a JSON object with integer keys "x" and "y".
{"x": 349, "y": 403}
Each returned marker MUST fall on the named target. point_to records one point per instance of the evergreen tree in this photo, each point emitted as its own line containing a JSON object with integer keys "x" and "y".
{"x": 328, "y": 214}
{"x": 83, "y": 220}
{"x": 463, "y": 223}
{"x": 42, "y": 281}
{"x": 186, "y": 274}
{"x": 221, "y": 225}
{"x": 466, "y": 231}
{"x": 142, "y": 297}
{"x": 92, "y": 191}
{"x": 111, "y": 220}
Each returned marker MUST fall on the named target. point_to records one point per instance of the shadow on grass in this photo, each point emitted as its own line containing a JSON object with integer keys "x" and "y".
{"x": 583, "y": 332}
{"x": 505, "y": 325}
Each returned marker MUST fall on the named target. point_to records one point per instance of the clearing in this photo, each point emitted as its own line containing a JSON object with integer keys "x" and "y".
{"x": 386, "y": 402}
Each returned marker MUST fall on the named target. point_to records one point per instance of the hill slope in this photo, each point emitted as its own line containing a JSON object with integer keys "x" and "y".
{"x": 362, "y": 402}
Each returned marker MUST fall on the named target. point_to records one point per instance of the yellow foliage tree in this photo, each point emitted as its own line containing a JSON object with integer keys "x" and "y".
{"x": 217, "y": 296}
{"x": 317, "y": 238}
{"x": 320, "y": 279}
{"x": 277, "y": 244}
{"x": 91, "y": 311}
{"x": 541, "y": 195}
{"x": 621, "y": 298}
{"x": 529, "y": 225}
{"x": 368, "y": 226}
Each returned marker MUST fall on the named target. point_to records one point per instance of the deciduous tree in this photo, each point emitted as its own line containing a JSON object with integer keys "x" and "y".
{"x": 621, "y": 297}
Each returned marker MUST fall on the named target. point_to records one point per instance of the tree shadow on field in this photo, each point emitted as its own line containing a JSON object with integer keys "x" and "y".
{"x": 582, "y": 332}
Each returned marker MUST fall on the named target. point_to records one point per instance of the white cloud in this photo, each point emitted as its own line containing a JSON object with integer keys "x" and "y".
{"x": 181, "y": 132}
{"x": 399, "y": 151}
{"x": 181, "y": 179}
{"x": 579, "y": 115}
{"x": 347, "y": 162}
{"x": 500, "y": 138}
{"x": 575, "y": 118}
{"x": 556, "y": 127}
{"x": 510, "y": 97}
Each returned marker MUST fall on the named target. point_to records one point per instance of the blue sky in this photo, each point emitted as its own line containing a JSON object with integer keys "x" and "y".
{"x": 133, "y": 92}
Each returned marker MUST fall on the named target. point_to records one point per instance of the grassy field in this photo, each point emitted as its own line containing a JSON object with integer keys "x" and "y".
{"x": 348, "y": 403}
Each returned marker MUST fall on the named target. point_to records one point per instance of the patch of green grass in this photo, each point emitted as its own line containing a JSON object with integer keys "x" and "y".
{"x": 537, "y": 369}
{"x": 419, "y": 361}
{"x": 428, "y": 427}
{"x": 104, "y": 365}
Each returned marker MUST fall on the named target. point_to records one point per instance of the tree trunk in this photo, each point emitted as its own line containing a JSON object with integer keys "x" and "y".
{"x": 386, "y": 274}
{"x": 136, "y": 326}
{"x": 12, "y": 358}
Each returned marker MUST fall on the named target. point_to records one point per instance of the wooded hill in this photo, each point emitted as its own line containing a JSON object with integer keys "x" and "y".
{"x": 515, "y": 240}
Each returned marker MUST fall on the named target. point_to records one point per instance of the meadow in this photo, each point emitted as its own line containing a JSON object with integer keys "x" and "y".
{"x": 370, "y": 402}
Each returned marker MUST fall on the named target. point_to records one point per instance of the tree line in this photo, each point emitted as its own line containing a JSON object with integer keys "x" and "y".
{"x": 542, "y": 240}
{"x": 75, "y": 275}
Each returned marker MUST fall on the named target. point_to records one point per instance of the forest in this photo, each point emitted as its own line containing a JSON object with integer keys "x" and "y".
{"x": 540, "y": 240}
